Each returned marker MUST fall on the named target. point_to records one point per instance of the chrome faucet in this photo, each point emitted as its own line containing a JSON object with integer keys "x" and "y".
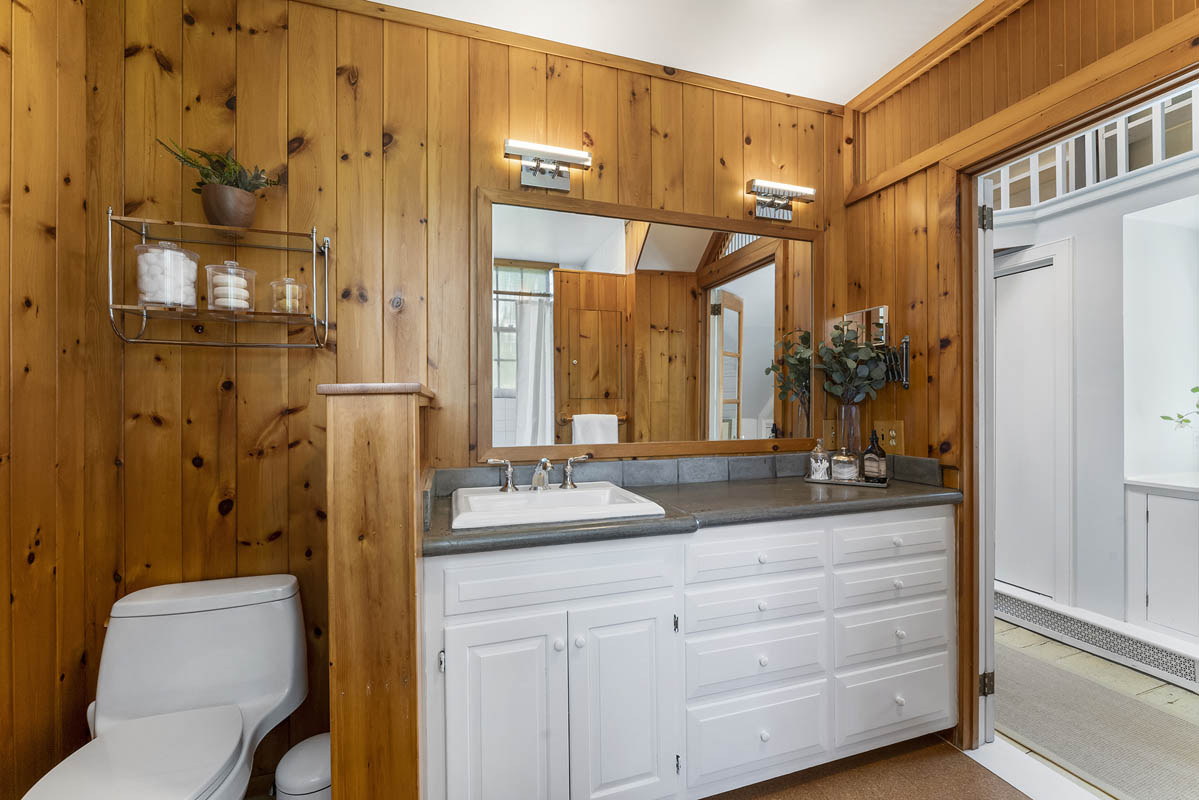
{"x": 541, "y": 476}
{"x": 568, "y": 477}
{"x": 508, "y": 485}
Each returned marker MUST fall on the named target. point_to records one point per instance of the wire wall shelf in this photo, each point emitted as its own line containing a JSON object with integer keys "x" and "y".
{"x": 127, "y": 317}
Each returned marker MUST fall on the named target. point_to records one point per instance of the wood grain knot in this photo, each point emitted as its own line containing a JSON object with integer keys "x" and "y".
{"x": 225, "y": 506}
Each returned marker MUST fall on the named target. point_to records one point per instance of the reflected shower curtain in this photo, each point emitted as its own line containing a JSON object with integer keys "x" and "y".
{"x": 534, "y": 371}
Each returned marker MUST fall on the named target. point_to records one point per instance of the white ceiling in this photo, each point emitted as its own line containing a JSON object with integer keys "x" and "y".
{"x": 536, "y": 234}
{"x": 825, "y": 49}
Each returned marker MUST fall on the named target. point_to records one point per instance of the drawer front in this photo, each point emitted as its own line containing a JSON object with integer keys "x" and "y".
{"x": 527, "y": 581}
{"x": 720, "y": 662}
{"x": 754, "y": 731}
{"x": 890, "y": 581}
{"x": 889, "y": 540}
{"x": 754, "y": 555}
{"x": 891, "y": 631}
{"x": 754, "y": 601}
{"x": 883, "y": 700}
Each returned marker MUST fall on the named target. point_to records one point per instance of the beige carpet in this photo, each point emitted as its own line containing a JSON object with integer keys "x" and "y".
{"x": 922, "y": 769}
{"x": 1125, "y": 747}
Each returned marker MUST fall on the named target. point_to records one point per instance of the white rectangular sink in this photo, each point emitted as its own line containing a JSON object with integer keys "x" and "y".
{"x": 489, "y": 507}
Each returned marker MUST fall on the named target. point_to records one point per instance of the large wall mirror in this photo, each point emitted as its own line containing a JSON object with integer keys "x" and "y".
{"x": 608, "y": 330}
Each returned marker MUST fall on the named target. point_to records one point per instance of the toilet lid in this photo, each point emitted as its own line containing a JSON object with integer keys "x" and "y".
{"x": 179, "y": 756}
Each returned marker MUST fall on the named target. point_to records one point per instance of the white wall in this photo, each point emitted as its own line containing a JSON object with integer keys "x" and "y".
{"x": 1161, "y": 336}
{"x": 609, "y": 256}
{"x": 1097, "y": 231}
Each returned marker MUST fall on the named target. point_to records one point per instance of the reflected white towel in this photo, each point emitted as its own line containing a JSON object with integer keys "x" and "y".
{"x": 594, "y": 429}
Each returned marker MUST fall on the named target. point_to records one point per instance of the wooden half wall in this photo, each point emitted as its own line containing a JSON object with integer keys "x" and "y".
{"x": 122, "y": 467}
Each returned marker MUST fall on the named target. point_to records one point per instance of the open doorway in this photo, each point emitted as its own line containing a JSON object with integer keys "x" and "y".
{"x": 1088, "y": 351}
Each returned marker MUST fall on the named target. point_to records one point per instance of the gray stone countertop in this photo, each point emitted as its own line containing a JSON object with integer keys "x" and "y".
{"x": 689, "y": 507}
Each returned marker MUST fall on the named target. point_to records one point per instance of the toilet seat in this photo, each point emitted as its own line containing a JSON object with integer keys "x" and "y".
{"x": 179, "y": 756}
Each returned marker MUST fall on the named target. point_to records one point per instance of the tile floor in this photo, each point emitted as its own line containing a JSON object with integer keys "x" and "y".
{"x": 1117, "y": 677}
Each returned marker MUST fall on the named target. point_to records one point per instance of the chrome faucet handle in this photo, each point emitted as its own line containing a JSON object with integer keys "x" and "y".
{"x": 508, "y": 485}
{"x": 568, "y": 477}
{"x": 541, "y": 480}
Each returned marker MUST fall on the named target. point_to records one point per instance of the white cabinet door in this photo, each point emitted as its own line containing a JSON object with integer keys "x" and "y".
{"x": 624, "y": 693}
{"x": 506, "y": 709}
{"x": 1172, "y": 558}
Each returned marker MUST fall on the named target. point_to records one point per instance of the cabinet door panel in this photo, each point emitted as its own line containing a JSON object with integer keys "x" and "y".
{"x": 882, "y": 700}
{"x": 1172, "y": 558}
{"x": 623, "y": 701}
{"x": 889, "y": 539}
{"x": 506, "y": 709}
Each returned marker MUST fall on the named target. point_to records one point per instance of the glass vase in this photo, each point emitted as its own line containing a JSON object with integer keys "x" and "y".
{"x": 849, "y": 427}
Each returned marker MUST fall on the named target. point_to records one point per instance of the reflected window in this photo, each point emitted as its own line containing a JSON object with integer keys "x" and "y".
{"x": 1140, "y": 139}
{"x": 1020, "y": 184}
{"x": 1047, "y": 175}
{"x": 510, "y": 283}
{"x": 1109, "y": 149}
{"x": 1178, "y": 115}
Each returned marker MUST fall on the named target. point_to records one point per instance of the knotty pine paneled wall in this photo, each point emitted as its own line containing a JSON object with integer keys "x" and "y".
{"x": 1038, "y": 44}
{"x": 123, "y": 467}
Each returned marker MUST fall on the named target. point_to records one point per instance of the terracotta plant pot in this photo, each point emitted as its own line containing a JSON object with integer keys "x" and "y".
{"x": 228, "y": 205}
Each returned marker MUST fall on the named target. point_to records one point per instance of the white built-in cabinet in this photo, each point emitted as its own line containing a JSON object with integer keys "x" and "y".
{"x": 1162, "y": 530}
{"x": 686, "y": 665}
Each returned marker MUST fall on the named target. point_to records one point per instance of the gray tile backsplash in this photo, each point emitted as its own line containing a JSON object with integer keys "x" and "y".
{"x": 703, "y": 470}
{"x": 791, "y": 465}
{"x": 653, "y": 472}
{"x": 748, "y": 468}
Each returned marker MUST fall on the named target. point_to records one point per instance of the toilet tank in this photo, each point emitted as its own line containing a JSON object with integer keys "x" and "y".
{"x": 235, "y": 641}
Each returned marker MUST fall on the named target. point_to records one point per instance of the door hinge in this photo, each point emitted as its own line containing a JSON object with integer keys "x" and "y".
{"x": 714, "y": 310}
{"x": 986, "y": 684}
{"x": 676, "y": 623}
{"x": 678, "y": 763}
{"x": 986, "y": 218}
{"x": 441, "y": 661}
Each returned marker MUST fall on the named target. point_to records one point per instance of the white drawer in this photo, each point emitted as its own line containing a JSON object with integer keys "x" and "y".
{"x": 520, "y": 580}
{"x": 732, "y": 736}
{"x": 719, "y": 662}
{"x": 890, "y": 581}
{"x": 758, "y": 600}
{"x": 889, "y": 539}
{"x": 741, "y": 557}
{"x": 891, "y": 631}
{"x": 882, "y": 700}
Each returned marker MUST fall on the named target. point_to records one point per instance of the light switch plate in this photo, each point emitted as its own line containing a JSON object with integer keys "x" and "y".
{"x": 830, "y": 434}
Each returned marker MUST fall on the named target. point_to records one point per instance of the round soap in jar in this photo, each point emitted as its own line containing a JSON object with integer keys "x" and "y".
{"x": 230, "y": 287}
{"x": 166, "y": 275}
{"x": 288, "y": 296}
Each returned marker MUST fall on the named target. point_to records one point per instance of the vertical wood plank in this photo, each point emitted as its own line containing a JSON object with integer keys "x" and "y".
{"x": 989, "y": 72}
{"x": 70, "y": 242}
{"x": 1088, "y": 31}
{"x": 729, "y": 181}
{"x": 948, "y": 300}
{"x": 666, "y": 144}
{"x": 700, "y": 125}
{"x": 755, "y": 153}
{"x": 405, "y": 191}
{"x": 1028, "y": 49}
{"x": 633, "y": 119}
{"x": 1105, "y": 27}
{"x": 833, "y": 302}
{"x": 1057, "y": 40}
{"x": 311, "y": 202}
{"x": 489, "y": 113}
{"x": 1126, "y": 21}
{"x": 526, "y": 104}
{"x": 1143, "y": 15}
{"x": 810, "y": 169}
{"x": 449, "y": 249}
{"x": 8, "y": 789}
{"x": 32, "y": 321}
{"x": 911, "y": 309}
{"x": 928, "y": 446}
{"x": 1072, "y": 23}
{"x": 1044, "y": 53}
{"x": 600, "y": 125}
{"x": 784, "y": 147}
{"x": 564, "y": 110}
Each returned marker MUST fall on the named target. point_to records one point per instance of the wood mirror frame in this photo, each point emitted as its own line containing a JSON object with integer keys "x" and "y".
{"x": 481, "y": 324}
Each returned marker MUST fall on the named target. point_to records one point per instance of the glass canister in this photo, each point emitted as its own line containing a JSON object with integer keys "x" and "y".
{"x": 230, "y": 287}
{"x": 818, "y": 463}
{"x": 166, "y": 275}
{"x": 844, "y": 465}
{"x": 287, "y": 296}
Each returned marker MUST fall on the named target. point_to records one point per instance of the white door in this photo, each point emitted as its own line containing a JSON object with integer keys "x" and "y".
{"x": 506, "y": 709}
{"x": 624, "y": 710}
{"x": 1171, "y": 560}
{"x": 1032, "y": 387}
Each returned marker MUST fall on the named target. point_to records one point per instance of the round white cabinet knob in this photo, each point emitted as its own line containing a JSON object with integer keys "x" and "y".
{"x": 899, "y": 701}
{"x": 763, "y": 558}
{"x": 762, "y": 605}
{"x": 901, "y": 634}
{"x": 764, "y": 736}
{"x": 763, "y": 660}
{"x": 897, "y": 541}
{"x": 559, "y": 645}
{"x": 574, "y": 362}
{"x": 897, "y": 583}
{"x": 580, "y": 641}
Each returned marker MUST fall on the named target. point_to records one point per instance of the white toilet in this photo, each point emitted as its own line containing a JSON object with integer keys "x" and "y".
{"x": 192, "y": 677}
{"x": 304, "y": 772}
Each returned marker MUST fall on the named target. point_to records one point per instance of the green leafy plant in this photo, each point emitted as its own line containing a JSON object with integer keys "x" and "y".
{"x": 1182, "y": 420}
{"x": 854, "y": 367}
{"x": 222, "y": 170}
{"x": 792, "y": 367}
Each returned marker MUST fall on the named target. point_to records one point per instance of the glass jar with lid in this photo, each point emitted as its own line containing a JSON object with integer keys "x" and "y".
{"x": 230, "y": 287}
{"x": 818, "y": 463}
{"x": 166, "y": 275}
{"x": 287, "y": 296}
{"x": 844, "y": 465}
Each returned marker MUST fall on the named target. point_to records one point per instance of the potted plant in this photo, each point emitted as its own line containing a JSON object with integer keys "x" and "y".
{"x": 226, "y": 188}
{"x": 1180, "y": 419}
{"x": 854, "y": 369}
{"x": 792, "y": 370}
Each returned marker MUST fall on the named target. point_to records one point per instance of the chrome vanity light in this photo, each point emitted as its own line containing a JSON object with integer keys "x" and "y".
{"x": 545, "y": 166}
{"x": 772, "y": 200}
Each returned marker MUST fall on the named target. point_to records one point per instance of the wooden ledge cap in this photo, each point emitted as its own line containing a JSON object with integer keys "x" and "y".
{"x": 375, "y": 388}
